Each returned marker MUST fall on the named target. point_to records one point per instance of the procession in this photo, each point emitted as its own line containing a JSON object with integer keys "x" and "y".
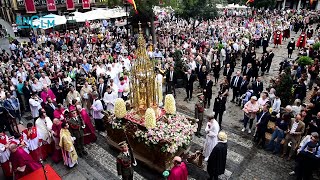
{"x": 120, "y": 95}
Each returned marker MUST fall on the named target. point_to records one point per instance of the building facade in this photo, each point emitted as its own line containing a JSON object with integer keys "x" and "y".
{"x": 298, "y": 4}
{"x": 9, "y": 9}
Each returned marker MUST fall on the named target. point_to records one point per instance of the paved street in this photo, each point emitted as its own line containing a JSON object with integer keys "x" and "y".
{"x": 244, "y": 160}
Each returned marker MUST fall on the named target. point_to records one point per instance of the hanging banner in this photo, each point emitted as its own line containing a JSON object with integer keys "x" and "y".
{"x": 86, "y": 4}
{"x": 30, "y": 7}
{"x": 70, "y": 4}
{"x": 51, "y": 5}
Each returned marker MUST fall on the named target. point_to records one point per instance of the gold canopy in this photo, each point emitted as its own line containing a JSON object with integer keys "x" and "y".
{"x": 142, "y": 79}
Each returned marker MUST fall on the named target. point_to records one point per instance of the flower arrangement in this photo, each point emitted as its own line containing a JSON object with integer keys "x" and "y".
{"x": 150, "y": 118}
{"x": 170, "y": 104}
{"x": 172, "y": 135}
{"x": 116, "y": 124}
{"x": 120, "y": 108}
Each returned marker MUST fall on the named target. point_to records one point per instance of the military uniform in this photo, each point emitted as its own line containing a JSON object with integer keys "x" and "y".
{"x": 76, "y": 131}
{"x": 124, "y": 164}
{"x": 199, "y": 110}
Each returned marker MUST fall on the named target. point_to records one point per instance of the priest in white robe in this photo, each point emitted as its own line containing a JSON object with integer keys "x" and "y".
{"x": 212, "y": 130}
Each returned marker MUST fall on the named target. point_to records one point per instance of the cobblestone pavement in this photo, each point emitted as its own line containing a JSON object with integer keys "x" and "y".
{"x": 244, "y": 161}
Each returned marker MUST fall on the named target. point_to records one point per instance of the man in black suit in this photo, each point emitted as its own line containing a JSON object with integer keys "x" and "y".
{"x": 207, "y": 91}
{"x": 101, "y": 88}
{"x": 27, "y": 92}
{"x": 219, "y": 107}
{"x": 257, "y": 86}
{"x": 189, "y": 79}
{"x": 171, "y": 81}
{"x": 199, "y": 67}
{"x": 58, "y": 92}
{"x": 244, "y": 85}
{"x": 235, "y": 85}
{"x": 49, "y": 107}
{"x": 248, "y": 71}
{"x": 262, "y": 126}
{"x": 269, "y": 60}
{"x": 228, "y": 72}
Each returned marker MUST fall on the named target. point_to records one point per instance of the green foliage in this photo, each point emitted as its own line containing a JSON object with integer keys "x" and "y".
{"x": 220, "y": 46}
{"x": 305, "y": 60}
{"x": 178, "y": 64}
{"x": 283, "y": 89}
{"x": 197, "y": 9}
{"x": 316, "y": 46}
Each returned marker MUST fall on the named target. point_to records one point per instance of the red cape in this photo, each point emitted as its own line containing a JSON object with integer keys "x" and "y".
{"x": 89, "y": 131}
{"x": 275, "y": 40}
{"x": 302, "y": 40}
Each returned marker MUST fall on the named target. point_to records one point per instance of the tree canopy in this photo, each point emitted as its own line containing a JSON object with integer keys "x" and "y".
{"x": 197, "y": 9}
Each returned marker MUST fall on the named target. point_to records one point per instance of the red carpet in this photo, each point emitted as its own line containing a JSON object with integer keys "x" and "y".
{"x": 39, "y": 174}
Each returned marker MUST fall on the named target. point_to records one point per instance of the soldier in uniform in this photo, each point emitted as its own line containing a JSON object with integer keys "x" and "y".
{"x": 125, "y": 162}
{"x": 291, "y": 47}
{"x": 76, "y": 129}
{"x": 199, "y": 110}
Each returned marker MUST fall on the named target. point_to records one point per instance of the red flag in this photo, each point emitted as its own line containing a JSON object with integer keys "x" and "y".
{"x": 30, "y": 7}
{"x": 51, "y": 5}
{"x": 86, "y": 4}
{"x": 250, "y": 1}
{"x": 133, "y": 3}
{"x": 70, "y": 4}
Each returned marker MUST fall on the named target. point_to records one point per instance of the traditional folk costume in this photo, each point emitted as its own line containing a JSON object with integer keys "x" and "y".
{"x": 31, "y": 137}
{"x": 310, "y": 33}
{"x": 277, "y": 38}
{"x": 44, "y": 128}
{"x": 89, "y": 131}
{"x": 212, "y": 130}
{"x": 290, "y": 47}
{"x": 23, "y": 161}
{"x": 69, "y": 153}
{"x": 286, "y": 32}
{"x": 302, "y": 40}
{"x": 5, "y": 155}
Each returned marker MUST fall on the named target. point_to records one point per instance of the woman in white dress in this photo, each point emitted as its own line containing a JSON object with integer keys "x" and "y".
{"x": 212, "y": 130}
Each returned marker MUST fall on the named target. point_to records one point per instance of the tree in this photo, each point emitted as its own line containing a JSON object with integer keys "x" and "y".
{"x": 285, "y": 88}
{"x": 192, "y": 10}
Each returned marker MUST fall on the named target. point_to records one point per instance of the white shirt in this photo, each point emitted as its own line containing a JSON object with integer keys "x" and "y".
{"x": 45, "y": 81}
{"x": 276, "y": 105}
{"x": 35, "y": 106}
{"x": 294, "y": 127}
